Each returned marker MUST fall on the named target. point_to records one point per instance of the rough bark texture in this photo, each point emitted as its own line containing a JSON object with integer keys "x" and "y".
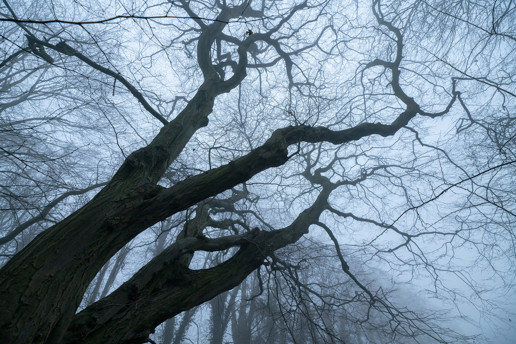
{"x": 54, "y": 270}
{"x": 48, "y": 278}
{"x": 184, "y": 289}
{"x": 165, "y": 287}
{"x": 45, "y": 282}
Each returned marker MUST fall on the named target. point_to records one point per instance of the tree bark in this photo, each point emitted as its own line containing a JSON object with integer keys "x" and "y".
{"x": 48, "y": 277}
{"x": 177, "y": 289}
{"x": 54, "y": 270}
{"x": 165, "y": 287}
{"x": 45, "y": 282}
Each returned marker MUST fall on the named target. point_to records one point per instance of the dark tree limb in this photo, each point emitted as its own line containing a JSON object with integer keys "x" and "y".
{"x": 66, "y": 49}
{"x": 166, "y": 287}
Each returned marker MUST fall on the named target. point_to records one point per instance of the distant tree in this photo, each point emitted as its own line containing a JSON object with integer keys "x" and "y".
{"x": 384, "y": 128}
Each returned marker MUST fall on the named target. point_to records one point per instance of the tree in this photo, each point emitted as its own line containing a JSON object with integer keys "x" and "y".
{"x": 378, "y": 124}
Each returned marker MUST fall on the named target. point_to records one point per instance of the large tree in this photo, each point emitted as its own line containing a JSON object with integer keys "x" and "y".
{"x": 388, "y": 126}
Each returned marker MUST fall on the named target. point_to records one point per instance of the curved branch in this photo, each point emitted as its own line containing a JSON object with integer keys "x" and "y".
{"x": 273, "y": 153}
{"x": 166, "y": 287}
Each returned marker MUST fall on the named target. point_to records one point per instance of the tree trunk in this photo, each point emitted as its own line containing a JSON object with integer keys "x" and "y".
{"x": 183, "y": 326}
{"x": 119, "y": 262}
{"x": 169, "y": 331}
{"x": 94, "y": 295}
{"x": 161, "y": 297}
{"x": 165, "y": 287}
{"x": 47, "y": 279}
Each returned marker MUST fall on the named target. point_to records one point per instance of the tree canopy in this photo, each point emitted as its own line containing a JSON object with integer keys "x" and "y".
{"x": 346, "y": 167}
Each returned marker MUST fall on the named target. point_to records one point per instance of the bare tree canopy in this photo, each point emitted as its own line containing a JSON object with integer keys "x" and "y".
{"x": 317, "y": 171}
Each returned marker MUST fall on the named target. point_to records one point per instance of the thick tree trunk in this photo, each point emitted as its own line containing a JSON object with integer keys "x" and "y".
{"x": 44, "y": 212}
{"x": 162, "y": 296}
{"x": 46, "y": 281}
{"x": 165, "y": 287}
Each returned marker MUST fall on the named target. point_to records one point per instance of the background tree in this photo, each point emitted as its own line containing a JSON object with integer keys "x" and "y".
{"x": 238, "y": 128}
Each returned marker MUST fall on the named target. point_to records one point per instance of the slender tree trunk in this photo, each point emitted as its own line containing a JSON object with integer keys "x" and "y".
{"x": 169, "y": 331}
{"x": 119, "y": 262}
{"x": 217, "y": 318}
{"x": 241, "y": 324}
{"x": 183, "y": 326}
{"x": 165, "y": 287}
{"x": 96, "y": 289}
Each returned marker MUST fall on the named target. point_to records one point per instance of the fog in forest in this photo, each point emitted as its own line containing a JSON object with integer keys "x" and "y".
{"x": 245, "y": 171}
